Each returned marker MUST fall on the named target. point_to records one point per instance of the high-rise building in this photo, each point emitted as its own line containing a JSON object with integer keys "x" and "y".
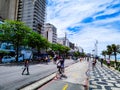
{"x": 8, "y": 9}
{"x": 31, "y": 12}
{"x": 50, "y": 33}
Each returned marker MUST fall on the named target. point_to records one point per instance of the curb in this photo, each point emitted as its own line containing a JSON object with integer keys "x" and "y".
{"x": 39, "y": 83}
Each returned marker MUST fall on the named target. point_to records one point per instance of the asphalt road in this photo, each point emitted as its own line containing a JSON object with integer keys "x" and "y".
{"x": 11, "y": 78}
{"x": 76, "y": 78}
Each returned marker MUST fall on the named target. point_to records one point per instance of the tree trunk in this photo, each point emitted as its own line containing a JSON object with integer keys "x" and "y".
{"x": 105, "y": 57}
{"x": 109, "y": 57}
{"x": 17, "y": 47}
{"x": 116, "y": 59}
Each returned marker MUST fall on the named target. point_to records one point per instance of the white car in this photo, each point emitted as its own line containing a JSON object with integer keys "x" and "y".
{"x": 6, "y": 59}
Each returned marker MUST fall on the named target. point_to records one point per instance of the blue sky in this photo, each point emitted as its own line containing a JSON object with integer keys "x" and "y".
{"x": 86, "y": 21}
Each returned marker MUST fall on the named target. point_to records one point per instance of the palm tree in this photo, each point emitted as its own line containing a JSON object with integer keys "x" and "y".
{"x": 109, "y": 51}
{"x": 115, "y": 49}
{"x": 104, "y": 53}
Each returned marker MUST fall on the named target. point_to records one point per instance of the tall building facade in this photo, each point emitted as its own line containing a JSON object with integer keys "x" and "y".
{"x": 50, "y": 33}
{"x": 8, "y": 9}
{"x": 31, "y": 12}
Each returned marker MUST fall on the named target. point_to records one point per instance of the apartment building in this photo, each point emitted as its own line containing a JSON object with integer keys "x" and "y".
{"x": 31, "y": 12}
{"x": 8, "y": 9}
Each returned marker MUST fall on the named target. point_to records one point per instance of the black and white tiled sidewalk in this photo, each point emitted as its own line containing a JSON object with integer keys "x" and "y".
{"x": 103, "y": 78}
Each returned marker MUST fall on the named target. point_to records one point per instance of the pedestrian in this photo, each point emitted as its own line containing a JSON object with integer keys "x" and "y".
{"x": 58, "y": 63}
{"x": 101, "y": 62}
{"x": 62, "y": 63}
{"x": 26, "y": 67}
{"x": 93, "y": 63}
{"x": 108, "y": 62}
{"x": 55, "y": 58}
{"x": 46, "y": 60}
{"x": 87, "y": 59}
{"x": 80, "y": 59}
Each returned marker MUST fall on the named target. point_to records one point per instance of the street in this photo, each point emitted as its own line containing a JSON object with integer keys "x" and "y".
{"x": 11, "y": 78}
{"x": 76, "y": 78}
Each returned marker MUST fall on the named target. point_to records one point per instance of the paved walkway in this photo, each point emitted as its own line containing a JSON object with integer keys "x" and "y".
{"x": 103, "y": 78}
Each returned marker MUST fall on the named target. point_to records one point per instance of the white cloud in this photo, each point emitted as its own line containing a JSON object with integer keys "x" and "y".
{"x": 88, "y": 36}
{"x": 69, "y": 13}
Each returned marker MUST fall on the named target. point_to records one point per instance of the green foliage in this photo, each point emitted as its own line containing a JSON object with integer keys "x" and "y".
{"x": 19, "y": 34}
{"x": 104, "y": 53}
{"x": 4, "y": 52}
{"x": 109, "y": 51}
{"x": 76, "y": 54}
{"x": 112, "y": 50}
{"x": 59, "y": 48}
{"x": 14, "y": 31}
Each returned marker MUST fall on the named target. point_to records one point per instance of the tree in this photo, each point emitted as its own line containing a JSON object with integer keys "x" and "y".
{"x": 66, "y": 50}
{"x": 109, "y": 51}
{"x": 58, "y": 48}
{"x": 15, "y": 32}
{"x": 35, "y": 40}
{"x": 115, "y": 49}
{"x": 76, "y": 53}
{"x": 54, "y": 47}
{"x": 82, "y": 54}
{"x": 104, "y": 53}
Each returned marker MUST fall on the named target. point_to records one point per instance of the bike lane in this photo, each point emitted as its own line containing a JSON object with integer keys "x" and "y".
{"x": 75, "y": 78}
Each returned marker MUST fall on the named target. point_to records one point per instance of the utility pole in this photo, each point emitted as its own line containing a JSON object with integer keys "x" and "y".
{"x": 65, "y": 38}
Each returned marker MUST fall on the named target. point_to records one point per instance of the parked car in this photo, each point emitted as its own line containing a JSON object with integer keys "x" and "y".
{"x": 6, "y": 59}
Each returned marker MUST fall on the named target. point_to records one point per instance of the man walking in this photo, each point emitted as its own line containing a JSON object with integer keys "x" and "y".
{"x": 55, "y": 59}
{"x": 101, "y": 62}
{"x": 26, "y": 67}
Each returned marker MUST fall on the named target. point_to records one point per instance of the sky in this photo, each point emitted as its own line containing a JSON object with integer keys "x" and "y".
{"x": 86, "y": 21}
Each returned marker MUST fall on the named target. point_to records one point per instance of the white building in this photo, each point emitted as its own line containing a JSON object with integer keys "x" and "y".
{"x": 64, "y": 41}
{"x": 50, "y": 33}
{"x": 78, "y": 48}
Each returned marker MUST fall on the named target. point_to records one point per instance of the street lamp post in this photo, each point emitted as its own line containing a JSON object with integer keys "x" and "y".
{"x": 96, "y": 48}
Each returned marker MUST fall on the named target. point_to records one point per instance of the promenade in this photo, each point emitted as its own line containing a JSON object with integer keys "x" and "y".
{"x": 103, "y": 78}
